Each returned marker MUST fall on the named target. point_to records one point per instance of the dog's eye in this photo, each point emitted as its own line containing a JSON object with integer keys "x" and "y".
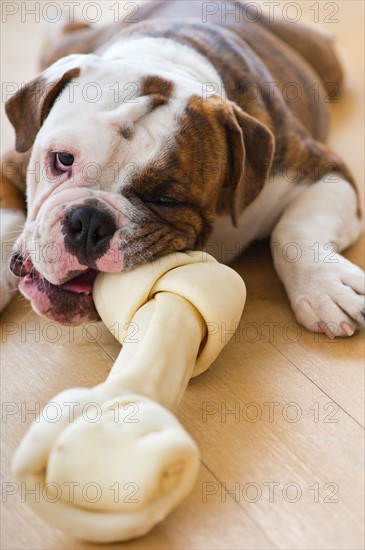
{"x": 167, "y": 200}
{"x": 63, "y": 162}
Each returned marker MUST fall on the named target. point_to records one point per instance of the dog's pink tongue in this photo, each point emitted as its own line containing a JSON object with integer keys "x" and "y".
{"x": 82, "y": 283}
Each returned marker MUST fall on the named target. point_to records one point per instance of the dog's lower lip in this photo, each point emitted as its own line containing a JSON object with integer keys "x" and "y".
{"x": 81, "y": 284}
{"x": 55, "y": 303}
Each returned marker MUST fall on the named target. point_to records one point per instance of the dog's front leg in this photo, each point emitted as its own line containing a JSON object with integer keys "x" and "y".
{"x": 326, "y": 290}
{"x": 12, "y": 216}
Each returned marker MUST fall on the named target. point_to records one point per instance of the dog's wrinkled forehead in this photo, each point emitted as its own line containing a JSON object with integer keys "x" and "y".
{"x": 106, "y": 84}
{"x": 82, "y": 89}
{"x": 121, "y": 100}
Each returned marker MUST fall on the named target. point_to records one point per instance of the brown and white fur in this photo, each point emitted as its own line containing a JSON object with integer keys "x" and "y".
{"x": 182, "y": 144}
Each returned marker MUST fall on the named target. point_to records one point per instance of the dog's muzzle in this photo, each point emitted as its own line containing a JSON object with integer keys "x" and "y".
{"x": 67, "y": 303}
{"x": 61, "y": 289}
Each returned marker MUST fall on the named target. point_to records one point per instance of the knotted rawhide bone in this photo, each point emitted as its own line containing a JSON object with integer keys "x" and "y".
{"x": 114, "y": 478}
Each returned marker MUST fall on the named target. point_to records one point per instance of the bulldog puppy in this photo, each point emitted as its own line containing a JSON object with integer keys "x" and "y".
{"x": 180, "y": 132}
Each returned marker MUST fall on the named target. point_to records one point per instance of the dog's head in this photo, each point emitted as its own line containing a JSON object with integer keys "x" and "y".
{"x": 125, "y": 168}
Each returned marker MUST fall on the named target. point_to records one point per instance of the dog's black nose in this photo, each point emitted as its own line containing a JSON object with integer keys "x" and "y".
{"x": 88, "y": 231}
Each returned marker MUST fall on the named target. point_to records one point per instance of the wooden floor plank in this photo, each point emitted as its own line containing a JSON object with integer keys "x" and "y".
{"x": 253, "y": 450}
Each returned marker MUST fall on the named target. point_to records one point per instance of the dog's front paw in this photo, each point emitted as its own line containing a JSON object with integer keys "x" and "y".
{"x": 329, "y": 297}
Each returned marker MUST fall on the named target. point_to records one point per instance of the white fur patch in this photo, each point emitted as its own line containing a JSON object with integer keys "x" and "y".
{"x": 256, "y": 222}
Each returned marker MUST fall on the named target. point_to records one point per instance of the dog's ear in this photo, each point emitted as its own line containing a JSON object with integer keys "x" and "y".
{"x": 28, "y": 107}
{"x": 251, "y": 145}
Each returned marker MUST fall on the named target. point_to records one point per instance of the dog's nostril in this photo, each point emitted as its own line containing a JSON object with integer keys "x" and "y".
{"x": 79, "y": 221}
{"x": 88, "y": 229}
{"x": 101, "y": 232}
{"x": 76, "y": 224}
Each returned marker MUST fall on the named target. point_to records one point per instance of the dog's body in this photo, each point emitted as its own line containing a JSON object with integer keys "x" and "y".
{"x": 184, "y": 133}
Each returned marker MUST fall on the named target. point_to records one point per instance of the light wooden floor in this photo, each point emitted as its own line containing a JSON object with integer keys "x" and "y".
{"x": 298, "y": 432}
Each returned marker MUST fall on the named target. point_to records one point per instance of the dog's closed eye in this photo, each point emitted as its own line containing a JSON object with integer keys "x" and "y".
{"x": 167, "y": 201}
